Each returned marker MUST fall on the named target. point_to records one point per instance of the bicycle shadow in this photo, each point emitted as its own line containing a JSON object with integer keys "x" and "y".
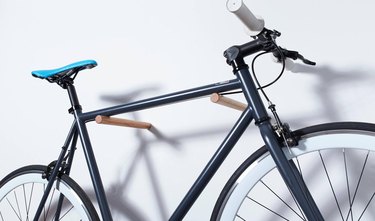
{"x": 119, "y": 202}
{"x": 327, "y": 77}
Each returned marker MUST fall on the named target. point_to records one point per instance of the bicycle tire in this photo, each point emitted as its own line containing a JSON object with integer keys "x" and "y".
{"x": 341, "y": 180}
{"x": 21, "y": 191}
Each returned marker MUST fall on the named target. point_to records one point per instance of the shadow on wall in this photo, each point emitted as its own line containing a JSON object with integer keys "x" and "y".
{"x": 117, "y": 192}
{"x": 328, "y": 78}
{"x": 120, "y": 205}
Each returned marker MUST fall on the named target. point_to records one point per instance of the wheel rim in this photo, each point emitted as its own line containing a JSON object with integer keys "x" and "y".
{"x": 329, "y": 150}
{"x": 19, "y": 199}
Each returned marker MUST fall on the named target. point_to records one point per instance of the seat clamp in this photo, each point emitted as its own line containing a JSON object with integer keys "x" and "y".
{"x": 73, "y": 108}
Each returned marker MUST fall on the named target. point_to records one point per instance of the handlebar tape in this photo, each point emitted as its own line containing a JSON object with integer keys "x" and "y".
{"x": 254, "y": 24}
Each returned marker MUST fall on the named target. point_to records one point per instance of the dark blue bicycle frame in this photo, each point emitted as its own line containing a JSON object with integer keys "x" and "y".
{"x": 255, "y": 111}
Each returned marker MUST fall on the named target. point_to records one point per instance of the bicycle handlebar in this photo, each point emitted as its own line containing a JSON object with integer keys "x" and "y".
{"x": 254, "y": 24}
{"x": 264, "y": 38}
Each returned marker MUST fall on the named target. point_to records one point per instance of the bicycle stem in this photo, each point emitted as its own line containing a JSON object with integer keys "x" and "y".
{"x": 265, "y": 41}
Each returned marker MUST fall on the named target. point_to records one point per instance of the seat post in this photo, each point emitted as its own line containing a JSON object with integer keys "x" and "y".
{"x": 73, "y": 98}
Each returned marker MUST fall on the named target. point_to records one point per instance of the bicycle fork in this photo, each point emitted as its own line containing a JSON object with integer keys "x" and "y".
{"x": 287, "y": 169}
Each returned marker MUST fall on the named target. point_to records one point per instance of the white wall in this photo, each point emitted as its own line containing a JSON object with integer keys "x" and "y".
{"x": 146, "y": 48}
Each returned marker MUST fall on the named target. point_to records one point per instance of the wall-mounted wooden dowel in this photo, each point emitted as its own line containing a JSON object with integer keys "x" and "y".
{"x": 228, "y": 102}
{"x": 122, "y": 122}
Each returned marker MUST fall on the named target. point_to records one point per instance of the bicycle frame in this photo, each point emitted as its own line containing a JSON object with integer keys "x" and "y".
{"x": 255, "y": 111}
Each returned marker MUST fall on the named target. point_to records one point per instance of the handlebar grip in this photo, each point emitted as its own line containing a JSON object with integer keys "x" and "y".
{"x": 254, "y": 24}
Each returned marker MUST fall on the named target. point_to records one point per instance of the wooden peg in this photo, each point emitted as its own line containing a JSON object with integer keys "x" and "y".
{"x": 228, "y": 102}
{"x": 122, "y": 122}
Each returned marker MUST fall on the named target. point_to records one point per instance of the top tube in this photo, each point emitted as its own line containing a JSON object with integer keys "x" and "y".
{"x": 164, "y": 99}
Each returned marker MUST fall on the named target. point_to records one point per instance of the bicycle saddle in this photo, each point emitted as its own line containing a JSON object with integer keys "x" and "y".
{"x": 54, "y": 75}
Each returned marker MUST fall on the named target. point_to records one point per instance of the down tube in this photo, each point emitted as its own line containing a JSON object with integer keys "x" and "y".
{"x": 213, "y": 165}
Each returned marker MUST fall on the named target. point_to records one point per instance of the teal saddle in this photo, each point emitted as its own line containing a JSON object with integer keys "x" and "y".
{"x": 54, "y": 75}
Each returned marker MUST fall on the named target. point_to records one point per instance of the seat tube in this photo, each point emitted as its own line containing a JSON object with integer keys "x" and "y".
{"x": 289, "y": 173}
{"x": 76, "y": 110}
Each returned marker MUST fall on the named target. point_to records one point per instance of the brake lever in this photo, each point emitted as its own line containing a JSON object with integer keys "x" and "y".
{"x": 291, "y": 54}
{"x": 306, "y": 61}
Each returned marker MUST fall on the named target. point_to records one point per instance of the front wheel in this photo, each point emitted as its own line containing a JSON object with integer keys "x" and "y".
{"x": 22, "y": 190}
{"x": 337, "y": 163}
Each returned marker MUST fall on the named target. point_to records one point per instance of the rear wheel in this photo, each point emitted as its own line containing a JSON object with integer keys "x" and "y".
{"x": 337, "y": 162}
{"x": 22, "y": 190}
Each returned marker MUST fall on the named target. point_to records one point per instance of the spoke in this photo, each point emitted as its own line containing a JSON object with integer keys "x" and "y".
{"x": 1, "y": 216}
{"x": 330, "y": 183}
{"x": 44, "y": 206}
{"x": 66, "y": 212}
{"x": 299, "y": 207}
{"x": 15, "y": 212}
{"x": 18, "y": 205}
{"x": 25, "y": 200}
{"x": 299, "y": 165}
{"x": 59, "y": 207}
{"x": 31, "y": 196}
{"x": 279, "y": 215}
{"x": 282, "y": 199}
{"x": 360, "y": 217}
{"x": 348, "y": 187}
{"x": 27, "y": 207}
{"x": 240, "y": 217}
{"x": 359, "y": 182}
{"x": 50, "y": 202}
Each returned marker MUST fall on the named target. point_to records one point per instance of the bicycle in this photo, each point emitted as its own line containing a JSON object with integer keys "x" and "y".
{"x": 340, "y": 153}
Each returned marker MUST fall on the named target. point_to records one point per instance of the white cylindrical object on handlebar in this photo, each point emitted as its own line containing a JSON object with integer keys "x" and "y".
{"x": 254, "y": 24}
